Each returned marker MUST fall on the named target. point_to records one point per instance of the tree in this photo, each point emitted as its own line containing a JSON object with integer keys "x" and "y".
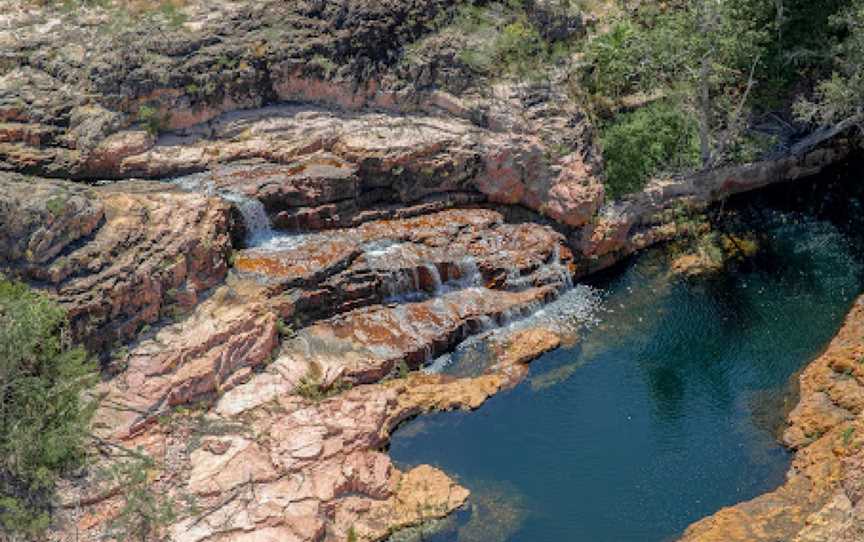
{"x": 145, "y": 511}
{"x": 700, "y": 54}
{"x": 44, "y": 417}
{"x": 839, "y": 99}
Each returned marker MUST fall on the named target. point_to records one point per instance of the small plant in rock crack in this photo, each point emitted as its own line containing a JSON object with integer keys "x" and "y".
{"x": 145, "y": 511}
{"x": 151, "y": 119}
{"x": 312, "y": 387}
{"x": 285, "y": 329}
{"x": 848, "y": 433}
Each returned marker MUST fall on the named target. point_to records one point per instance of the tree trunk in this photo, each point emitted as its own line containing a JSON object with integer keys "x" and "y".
{"x": 705, "y": 112}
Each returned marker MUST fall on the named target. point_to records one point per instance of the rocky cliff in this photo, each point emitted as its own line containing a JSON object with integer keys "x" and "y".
{"x": 145, "y": 156}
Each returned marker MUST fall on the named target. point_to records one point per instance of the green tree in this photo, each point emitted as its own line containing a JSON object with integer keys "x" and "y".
{"x": 701, "y": 54}
{"x": 145, "y": 511}
{"x": 44, "y": 417}
{"x": 640, "y": 144}
{"x": 838, "y": 100}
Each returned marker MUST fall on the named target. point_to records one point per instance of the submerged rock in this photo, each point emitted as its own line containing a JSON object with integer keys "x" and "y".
{"x": 820, "y": 500}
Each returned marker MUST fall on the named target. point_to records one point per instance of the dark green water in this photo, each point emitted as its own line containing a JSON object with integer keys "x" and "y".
{"x": 668, "y": 409}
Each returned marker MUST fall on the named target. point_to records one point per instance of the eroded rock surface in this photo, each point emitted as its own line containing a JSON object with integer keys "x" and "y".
{"x": 117, "y": 258}
{"x": 292, "y": 468}
{"x": 414, "y": 203}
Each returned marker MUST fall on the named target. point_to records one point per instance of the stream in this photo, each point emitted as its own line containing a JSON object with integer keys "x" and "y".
{"x": 669, "y": 406}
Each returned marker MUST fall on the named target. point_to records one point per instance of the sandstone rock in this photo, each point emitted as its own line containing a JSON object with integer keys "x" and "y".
{"x": 338, "y": 271}
{"x": 117, "y": 258}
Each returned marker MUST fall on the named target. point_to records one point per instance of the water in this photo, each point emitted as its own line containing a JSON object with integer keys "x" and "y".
{"x": 668, "y": 408}
{"x": 259, "y": 230}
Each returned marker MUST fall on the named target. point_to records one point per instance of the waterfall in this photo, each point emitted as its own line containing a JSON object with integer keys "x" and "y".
{"x": 258, "y": 227}
{"x": 434, "y": 277}
{"x": 469, "y": 273}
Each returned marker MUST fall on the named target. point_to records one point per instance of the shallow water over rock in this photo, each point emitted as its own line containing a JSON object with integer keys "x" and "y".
{"x": 657, "y": 416}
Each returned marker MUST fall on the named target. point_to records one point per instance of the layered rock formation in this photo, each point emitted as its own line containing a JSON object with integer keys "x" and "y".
{"x": 413, "y": 203}
{"x": 118, "y": 258}
{"x": 285, "y": 467}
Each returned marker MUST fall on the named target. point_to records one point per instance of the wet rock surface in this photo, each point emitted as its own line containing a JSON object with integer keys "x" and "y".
{"x": 404, "y": 219}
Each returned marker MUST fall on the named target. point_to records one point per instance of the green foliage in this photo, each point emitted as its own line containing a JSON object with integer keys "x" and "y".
{"x": 803, "y": 40}
{"x": 640, "y": 144}
{"x": 325, "y": 64}
{"x": 285, "y": 329}
{"x": 172, "y": 15}
{"x": 151, "y": 118}
{"x": 44, "y": 418}
{"x": 615, "y": 59}
{"x": 402, "y": 369}
{"x": 841, "y": 95}
{"x": 145, "y": 510}
{"x": 56, "y": 205}
{"x": 847, "y": 435}
{"x": 700, "y": 52}
{"x": 502, "y": 40}
{"x": 312, "y": 387}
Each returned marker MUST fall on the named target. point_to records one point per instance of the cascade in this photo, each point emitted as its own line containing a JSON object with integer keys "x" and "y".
{"x": 258, "y": 227}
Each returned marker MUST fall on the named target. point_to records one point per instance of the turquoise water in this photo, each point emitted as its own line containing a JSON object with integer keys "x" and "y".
{"x": 668, "y": 409}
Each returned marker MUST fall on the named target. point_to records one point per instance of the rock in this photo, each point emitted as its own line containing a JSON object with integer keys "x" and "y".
{"x": 117, "y": 258}
{"x": 338, "y": 271}
{"x": 189, "y": 361}
{"x": 557, "y": 20}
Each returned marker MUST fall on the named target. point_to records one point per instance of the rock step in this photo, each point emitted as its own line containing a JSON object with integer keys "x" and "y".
{"x": 406, "y": 259}
{"x": 368, "y": 344}
{"x": 117, "y": 257}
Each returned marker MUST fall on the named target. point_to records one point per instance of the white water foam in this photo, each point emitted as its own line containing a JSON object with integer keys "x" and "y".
{"x": 575, "y": 309}
{"x": 259, "y": 230}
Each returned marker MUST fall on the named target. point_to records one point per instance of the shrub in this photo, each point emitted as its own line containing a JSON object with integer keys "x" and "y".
{"x": 501, "y": 39}
{"x": 150, "y": 117}
{"x": 145, "y": 511}
{"x": 43, "y": 418}
{"x": 640, "y": 144}
{"x": 615, "y": 57}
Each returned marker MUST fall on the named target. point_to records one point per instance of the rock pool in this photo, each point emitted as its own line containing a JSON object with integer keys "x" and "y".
{"x": 668, "y": 408}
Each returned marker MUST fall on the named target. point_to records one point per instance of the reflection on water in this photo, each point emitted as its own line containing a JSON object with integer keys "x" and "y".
{"x": 667, "y": 410}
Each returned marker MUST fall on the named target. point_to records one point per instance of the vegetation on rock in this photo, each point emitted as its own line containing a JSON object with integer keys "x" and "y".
{"x": 728, "y": 66}
{"x": 44, "y": 415}
{"x": 640, "y": 144}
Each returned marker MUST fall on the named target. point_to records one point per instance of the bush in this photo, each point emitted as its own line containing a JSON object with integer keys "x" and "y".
{"x": 43, "y": 418}
{"x": 145, "y": 511}
{"x": 501, "y": 39}
{"x": 640, "y": 144}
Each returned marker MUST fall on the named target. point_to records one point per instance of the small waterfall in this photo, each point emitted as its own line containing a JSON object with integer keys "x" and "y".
{"x": 434, "y": 277}
{"x": 258, "y": 227}
{"x": 552, "y": 271}
{"x": 469, "y": 273}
